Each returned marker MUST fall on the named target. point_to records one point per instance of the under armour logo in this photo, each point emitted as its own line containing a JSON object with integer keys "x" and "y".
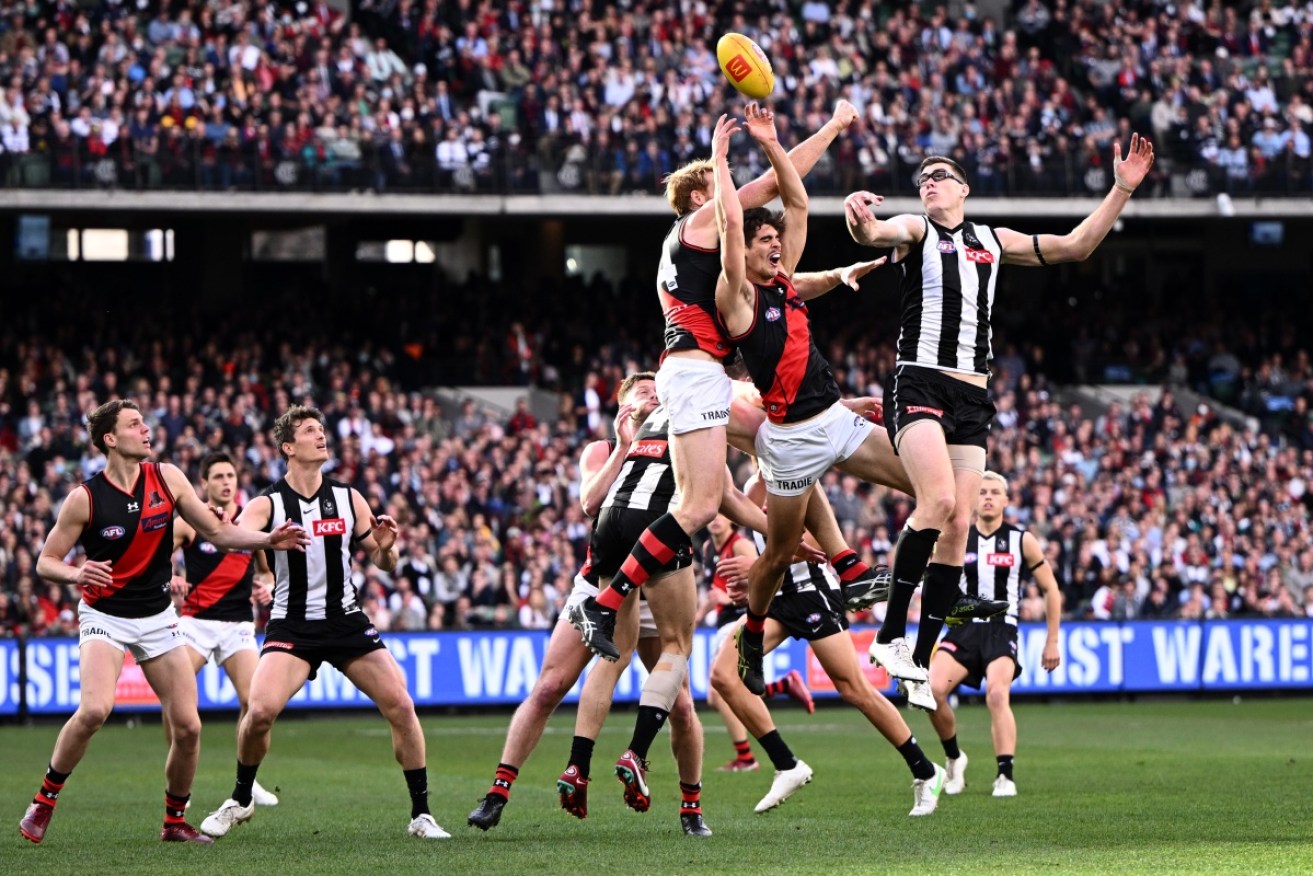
{"x": 134, "y": 507}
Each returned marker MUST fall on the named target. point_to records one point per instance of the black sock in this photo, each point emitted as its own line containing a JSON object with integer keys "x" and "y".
{"x": 911, "y": 554}
{"x": 55, "y": 776}
{"x": 581, "y": 755}
{"x": 417, "y": 783}
{"x": 649, "y": 723}
{"x": 942, "y": 584}
{"x": 1005, "y": 765}
{"x": 245, "y": 782}
{"x": 951, "y": 751}
{"x": 780, "y": 755}
{"x": 920, "y": 765}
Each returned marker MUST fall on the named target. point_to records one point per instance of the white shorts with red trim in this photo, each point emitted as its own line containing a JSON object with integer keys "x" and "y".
{"x": 793, "y": 456}
{"x": 695, "y": 393}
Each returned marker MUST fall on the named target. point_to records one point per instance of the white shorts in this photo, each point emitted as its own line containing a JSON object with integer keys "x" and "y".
{"x": 695, "y": 393}
{"x": 793, "y": 456}
{"x": 144, "y": 637}
{"x": 218, "y": 640}
{"x": 583, "y": 589}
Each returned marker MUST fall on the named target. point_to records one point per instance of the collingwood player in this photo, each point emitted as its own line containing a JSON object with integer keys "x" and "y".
{"x": 624, "y": 485}
{"x": 219, "y": 593}
{"x": 809, "y": 607}
{"x": 998, "y": 556}
{"x": 315, "y": 618}
{"x": 123, "y": 519}
{"x": 937, "y": 407}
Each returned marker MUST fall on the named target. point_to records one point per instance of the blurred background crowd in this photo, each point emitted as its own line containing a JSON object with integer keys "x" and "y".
{"x": 607, "y": 97}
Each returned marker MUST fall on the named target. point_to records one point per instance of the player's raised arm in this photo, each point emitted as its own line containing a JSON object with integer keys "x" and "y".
{"x": 793, "y": 236}
{"x": 730, "y": 299}
{"x": 378, "y": 535}
{"x": 865, "y": 228}
{"x": 803, "y": 157}
{"x": 813, "y": 284}
{"x": 1041, "y": 250}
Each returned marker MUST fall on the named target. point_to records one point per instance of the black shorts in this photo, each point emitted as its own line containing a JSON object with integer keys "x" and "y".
{"x": 976, "y": 646}
{"x": 616, "y": 533}
{"x": 809, "y": 615}
{"x": 336, "y": 641}
{"x": 915, "y": 393}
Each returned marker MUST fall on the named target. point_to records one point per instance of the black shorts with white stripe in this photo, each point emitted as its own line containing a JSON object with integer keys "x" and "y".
{"x": 809, "y": 615}
{"x": 962, "y": 409}
{"x": 336, "y": 641}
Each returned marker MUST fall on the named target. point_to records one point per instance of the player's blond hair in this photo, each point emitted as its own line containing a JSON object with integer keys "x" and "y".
{"x": 995, "y": 476}
{"x": 682, "y": 183}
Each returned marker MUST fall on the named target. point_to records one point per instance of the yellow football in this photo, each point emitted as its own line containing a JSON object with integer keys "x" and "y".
{"x": 745, "y": 65}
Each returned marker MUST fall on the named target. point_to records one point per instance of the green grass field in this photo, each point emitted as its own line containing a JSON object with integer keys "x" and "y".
{"x": 1163, "y": 787}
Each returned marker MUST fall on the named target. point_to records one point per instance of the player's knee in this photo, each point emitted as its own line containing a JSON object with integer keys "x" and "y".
{"x": 998, "y": 697}
{"x": 397, "y": 706}
{"x": 260, "y": 717}
{"x": 549, "y": 691}
{"x": 92, "y": 716}
{"x": 185, "y": 732}
{"x": 682, "y": 714}
{"x": 851, "y": 690}
{"x": 723, "y": 676}
{"x": 939, "y": 507}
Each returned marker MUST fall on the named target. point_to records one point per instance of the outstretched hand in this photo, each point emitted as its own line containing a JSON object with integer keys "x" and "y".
{"x": 857, "y": 207}
{"x": 851, "y": 276}
{"x": 385, "y": 531}
{"x": 761, "y": 123}
{"x": 726, "y": 127}
{"x": 1131, "y": 170}
{"x": 844, "y": 114}
{"x": 289, "y": 536}
{"x": 624, "y": 425}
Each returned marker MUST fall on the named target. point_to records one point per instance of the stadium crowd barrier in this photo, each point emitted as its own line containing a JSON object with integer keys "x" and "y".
{"x": 40, "y": 676}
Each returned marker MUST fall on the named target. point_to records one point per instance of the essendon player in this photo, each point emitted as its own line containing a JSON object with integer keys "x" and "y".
{"x": 123, "y": 518}
{"x": 315, "y": 618}
{"x": 808, "y": 428}
{"x": 624, "y": 485}
{"x": 939, "y": 412}
{"x": 998, "y": 556}
{"x": 219, "y": 593}
{"x": 691, "y": 382}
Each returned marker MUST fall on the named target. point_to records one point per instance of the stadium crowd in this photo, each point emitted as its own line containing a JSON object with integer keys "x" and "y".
{"x": 1146, "y": 509}
{"x": 608, "y": 97}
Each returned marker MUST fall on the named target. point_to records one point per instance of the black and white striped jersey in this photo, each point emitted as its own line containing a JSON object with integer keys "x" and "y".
{"x": 993, "y": 566}
{"x": 802, "y": 577}
{"x": 316, "y": 584}
{"x": 647, "y": 479}
{"x": 947, "y": 297}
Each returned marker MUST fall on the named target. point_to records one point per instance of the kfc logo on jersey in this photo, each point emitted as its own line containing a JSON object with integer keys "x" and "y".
{"x": 112, "y": 532}
{"x": 947, "y": 247}
{"x": 649, "y": 449}
{"x": 331, "y": 526}
{"x": 772, "y": 314}
{"x": 1000, "y": 560}
{"x": 980, "y": 256}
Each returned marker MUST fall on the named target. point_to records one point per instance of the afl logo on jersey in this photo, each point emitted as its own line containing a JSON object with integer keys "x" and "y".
{"x": 772, "y": 314}
{"x": 111, "y": 533}
{"x": 947, "y": 246}
{"x": 207, "y": 548}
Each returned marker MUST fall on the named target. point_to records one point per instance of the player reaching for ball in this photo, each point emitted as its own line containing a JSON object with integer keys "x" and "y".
{"x": 937, "y": 407}
{"x": 694, "y": 387}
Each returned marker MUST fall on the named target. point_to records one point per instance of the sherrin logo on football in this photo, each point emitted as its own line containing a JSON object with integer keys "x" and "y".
{"x": 745, "y": 65}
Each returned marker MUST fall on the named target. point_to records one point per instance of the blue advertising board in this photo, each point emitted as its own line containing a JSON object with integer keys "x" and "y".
{"x": 499, "y": 668}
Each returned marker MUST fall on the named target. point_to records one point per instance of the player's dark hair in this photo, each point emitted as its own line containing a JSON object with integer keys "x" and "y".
{"x": 213, "y": 458}
{"x": 103, "y": 419}
{"x": 942, "y": 159}
{"x": 285, "y": 426}
{"x": 756, "y": 217}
